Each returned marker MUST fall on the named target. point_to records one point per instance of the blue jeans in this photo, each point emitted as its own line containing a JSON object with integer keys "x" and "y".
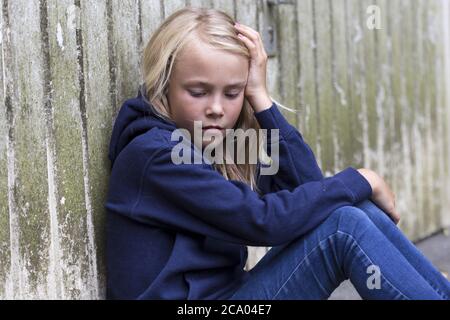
{"x": 359, "y": 243}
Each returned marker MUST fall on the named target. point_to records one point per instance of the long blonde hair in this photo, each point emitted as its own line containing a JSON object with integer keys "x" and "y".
{"x": 215, "y": 28}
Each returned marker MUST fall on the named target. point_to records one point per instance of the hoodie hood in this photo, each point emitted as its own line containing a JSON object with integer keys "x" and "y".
{"x": 136, "y": 117}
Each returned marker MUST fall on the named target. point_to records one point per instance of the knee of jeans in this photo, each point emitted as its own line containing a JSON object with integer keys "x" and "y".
{"x": 351, "y": 220}
{"x": 374, "y": 212}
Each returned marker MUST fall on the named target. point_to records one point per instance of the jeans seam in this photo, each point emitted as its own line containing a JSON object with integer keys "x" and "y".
{"x": 300, "y": 263}
{"x": 362, "y": 250}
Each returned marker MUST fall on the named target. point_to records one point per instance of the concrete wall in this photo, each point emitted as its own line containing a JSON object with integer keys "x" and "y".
{"x": 364, "y": 98}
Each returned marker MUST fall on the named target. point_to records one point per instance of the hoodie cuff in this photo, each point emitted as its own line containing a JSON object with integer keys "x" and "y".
{"x": 272, "y": 118}
{"x": 356, "y": 183}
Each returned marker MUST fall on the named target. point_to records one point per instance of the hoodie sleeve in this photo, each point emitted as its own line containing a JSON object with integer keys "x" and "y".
{"x": 196, "y": 198}
{"x": 297, "y": 163}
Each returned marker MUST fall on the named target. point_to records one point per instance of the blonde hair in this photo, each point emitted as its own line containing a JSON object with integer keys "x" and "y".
{"x": 214, "y": 28}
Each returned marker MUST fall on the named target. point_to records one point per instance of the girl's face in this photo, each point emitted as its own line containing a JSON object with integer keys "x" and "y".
{"x": 207, "y": 85}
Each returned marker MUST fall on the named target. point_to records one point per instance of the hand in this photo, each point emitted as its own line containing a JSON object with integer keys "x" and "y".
{"x": 382, "y": 194}
{"x": 256, "y": 89}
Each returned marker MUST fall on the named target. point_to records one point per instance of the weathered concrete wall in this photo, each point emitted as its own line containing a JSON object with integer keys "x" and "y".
{"x": 364, "y": 98}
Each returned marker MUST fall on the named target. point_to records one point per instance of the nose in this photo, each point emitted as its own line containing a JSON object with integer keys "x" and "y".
{"x": 215, "y": 109}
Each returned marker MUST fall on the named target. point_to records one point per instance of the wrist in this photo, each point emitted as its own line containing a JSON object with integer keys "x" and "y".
{"x": 372, "y": 179}
{"x": 260, "y": 102}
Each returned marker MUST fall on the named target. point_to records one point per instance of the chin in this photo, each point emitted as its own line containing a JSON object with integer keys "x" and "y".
{"x": 207, "y": 142}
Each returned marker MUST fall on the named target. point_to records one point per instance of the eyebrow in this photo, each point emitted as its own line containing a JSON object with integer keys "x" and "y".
{"x": 206, "y": 84}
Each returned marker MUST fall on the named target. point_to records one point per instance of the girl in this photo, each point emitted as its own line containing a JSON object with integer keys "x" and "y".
{"x": 181, "y": 231}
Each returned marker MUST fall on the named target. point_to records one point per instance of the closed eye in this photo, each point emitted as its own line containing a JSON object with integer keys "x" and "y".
{"x": 232, "y": 96}
{"x": 197, "y": 94}
{"x": 201, "y": 94}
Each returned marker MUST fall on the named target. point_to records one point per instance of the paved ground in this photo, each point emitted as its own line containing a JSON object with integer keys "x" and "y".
{"x": 435, "y": 248}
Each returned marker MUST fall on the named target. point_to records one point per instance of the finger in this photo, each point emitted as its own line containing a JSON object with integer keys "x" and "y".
{"x": 247, "y": 31}
{"x": 396, "y": 217}
{"x": 397, "y": 220}
{"x": 250, "y": 44}
{"x": 257, "y": 53}
{"x": 252, "y": 35}
{"x": 392, "y": 217}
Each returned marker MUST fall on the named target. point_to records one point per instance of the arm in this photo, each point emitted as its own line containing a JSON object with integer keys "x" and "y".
{"x": 297, "y": 163}
{"x": 195, "y": 198}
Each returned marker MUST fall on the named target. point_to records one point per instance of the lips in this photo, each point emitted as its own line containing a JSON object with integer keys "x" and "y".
{"x": 212, "y": 127}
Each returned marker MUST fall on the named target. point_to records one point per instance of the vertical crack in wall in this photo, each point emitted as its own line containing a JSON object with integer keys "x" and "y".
{"x": 301, "y": 109}
{"x": 391, "y": 114}
{"x": 163, "y": 9}
{"x": 417, "y": 125}
{"x": 350, "y": 76}
{"x": 446, "y": 35}
{"x": 404, "y": 138}
{"x": 140, "y": 43}
{"x": 276, "y": 21}
{"x": 112, "y": 61}
{"x": 335, "y": 86}
{"x": 13, "y": 286}
{"x": 380, "y": 99}
{"x": 443, "y": 177}
{"x": 55, "y": 285}
{"x": 362, "y": 69}
{"x": 140, "y": 37}
{"x": 93, "y": 282}
{"x": 316, "y": 86}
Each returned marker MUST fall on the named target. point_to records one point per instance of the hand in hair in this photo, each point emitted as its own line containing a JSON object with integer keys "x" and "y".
{"x": 256, "y": 90}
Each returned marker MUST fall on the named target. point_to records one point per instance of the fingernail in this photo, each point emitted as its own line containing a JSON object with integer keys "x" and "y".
{"x": 237, "y": 24}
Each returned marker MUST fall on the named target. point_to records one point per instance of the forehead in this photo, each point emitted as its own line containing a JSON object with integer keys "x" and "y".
{"x": 198, "y": 62}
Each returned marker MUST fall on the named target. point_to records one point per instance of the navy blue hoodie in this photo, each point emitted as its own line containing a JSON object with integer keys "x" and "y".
{"x": 182, "y": 231}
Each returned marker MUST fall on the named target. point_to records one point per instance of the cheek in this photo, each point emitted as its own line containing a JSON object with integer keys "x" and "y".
{"x": 181, "y": 98}
{"x": 187, "y": 113}
{"x": 237, "y": 110}
{"x": 184, "y": 105}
